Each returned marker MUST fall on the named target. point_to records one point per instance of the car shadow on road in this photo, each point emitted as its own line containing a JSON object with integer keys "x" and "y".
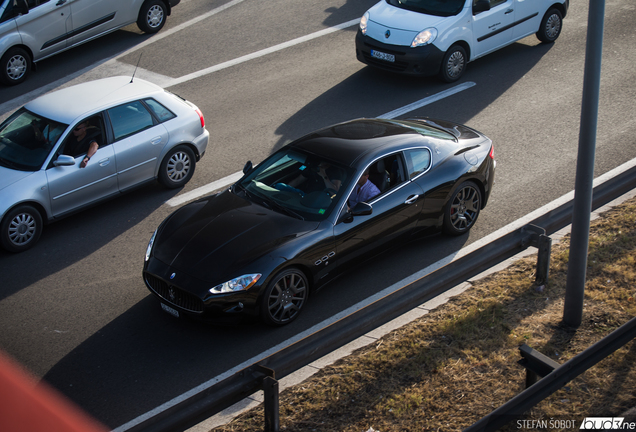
{"x": 74, "y": 238}
{"x": 366, "y": 92}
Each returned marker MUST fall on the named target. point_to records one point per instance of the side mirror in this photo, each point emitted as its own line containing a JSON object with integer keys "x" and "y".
{"x": 248, "y": 167}
{"x": 21, "y": 7}
{"x": 362, "y": 209}
{"x": 481, "y": 6}
{"x": 64, "y": 160}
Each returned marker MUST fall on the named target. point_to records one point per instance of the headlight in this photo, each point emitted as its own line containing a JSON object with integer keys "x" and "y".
{"x": 237, "y": 284}
{"x": 424, "y": 37}
{"x": 150, "y": 244}
{"x": 363, "y": 23}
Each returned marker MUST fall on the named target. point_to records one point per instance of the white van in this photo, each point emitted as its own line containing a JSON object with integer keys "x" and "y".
{"x": 429, "y": 37}
{"x": 32, "y": 30}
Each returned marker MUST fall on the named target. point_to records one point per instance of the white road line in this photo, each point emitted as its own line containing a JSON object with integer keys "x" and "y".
{"x": 263, "y": 52}
{"x": 226, "y": 181}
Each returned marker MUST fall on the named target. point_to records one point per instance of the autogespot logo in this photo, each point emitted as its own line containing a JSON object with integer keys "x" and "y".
{"x": 607, "y": 423}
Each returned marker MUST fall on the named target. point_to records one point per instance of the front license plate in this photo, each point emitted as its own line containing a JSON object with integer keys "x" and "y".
{"x": 170, "y": 310}
{"x": 383, "y": 56}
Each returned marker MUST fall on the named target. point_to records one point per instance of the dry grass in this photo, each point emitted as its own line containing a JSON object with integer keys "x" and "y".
{"x": 459, "y": 362}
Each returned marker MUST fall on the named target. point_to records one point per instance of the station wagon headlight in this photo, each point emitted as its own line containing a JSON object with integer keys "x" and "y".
{"x": 363, "y": 23}
{"x": 150, "y": 244}
{"x": 240, "y": 283}
{"x": 424, "y": 37}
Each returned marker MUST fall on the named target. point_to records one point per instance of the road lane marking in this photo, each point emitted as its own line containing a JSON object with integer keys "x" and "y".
{"x": 227, "y": 181}
{"x": 264, "y": 52}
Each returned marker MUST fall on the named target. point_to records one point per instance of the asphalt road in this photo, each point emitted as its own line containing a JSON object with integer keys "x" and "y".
{"x": 74, "y": 309}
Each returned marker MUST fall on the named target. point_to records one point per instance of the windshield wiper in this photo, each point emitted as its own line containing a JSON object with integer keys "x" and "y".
{"x": 274, "y": 205}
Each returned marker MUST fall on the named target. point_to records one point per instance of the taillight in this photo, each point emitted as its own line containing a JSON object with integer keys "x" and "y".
{"x": 492, "y": 152}
{"x": 201, "y": 117}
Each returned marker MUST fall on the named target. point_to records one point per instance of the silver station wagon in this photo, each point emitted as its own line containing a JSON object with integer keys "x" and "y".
{"x": 77, "y": 146}
{"x": 32, "y": 30}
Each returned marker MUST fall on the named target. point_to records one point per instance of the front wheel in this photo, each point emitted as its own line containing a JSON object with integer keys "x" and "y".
{"x": 462, "y": 209}
{"x": 15, "y": 66}
{"x": 177, "y": 168}
{"x": 152, "y": 16}
{"x": 551, "y": 25}
{"x": 21, "y": 229}
{"x": 453, "y": 64}
{"x": 284, "y": 297}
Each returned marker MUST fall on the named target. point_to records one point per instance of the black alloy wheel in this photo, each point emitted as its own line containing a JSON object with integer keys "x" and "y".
{"x": 284, "y": 297}
{"x": 462, "y": 209}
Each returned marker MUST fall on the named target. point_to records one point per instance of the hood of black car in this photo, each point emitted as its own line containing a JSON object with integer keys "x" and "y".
{"x": 221, "y": 235}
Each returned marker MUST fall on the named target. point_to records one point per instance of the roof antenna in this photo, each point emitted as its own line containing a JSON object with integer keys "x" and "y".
{"x": 135, "y": 71}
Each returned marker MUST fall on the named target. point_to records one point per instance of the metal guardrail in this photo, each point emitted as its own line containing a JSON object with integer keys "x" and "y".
{"x": 556, "y": 379}
{"x": 244, "y": 383}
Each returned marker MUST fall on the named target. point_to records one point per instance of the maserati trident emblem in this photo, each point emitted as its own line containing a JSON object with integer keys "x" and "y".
{"x": 172, "y": 276}
{"x": 387, "y": 34}
{"x": 172, "y": 294}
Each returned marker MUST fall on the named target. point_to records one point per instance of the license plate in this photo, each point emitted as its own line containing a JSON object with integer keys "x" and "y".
{"x": 383, "y": 56}
{"x": 170, "y": 310}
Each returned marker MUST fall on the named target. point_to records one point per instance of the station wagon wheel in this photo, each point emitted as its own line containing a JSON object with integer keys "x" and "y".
{"x": 21, "y": 229}
{"x": 453, "y": 64}
{"x": 284, "y": 297}
{"x": 177, "y": 168}
{"x": 551, "y": 25}
{"x": 462, "y": 209}
{"x": 152, "y": 16}
{"x": 16, "y": 65}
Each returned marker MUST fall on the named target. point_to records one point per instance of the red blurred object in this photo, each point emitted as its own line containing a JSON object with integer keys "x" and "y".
{"x": 27, "y": 405}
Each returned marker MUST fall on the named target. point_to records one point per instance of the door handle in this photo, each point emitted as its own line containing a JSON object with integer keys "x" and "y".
{"x": 104, "y": 162}
{"x": 155, "y": 140}
{"x": 509, "y": 11}
{"x": 411, "y": 199}
{"x": 60, "y": 3}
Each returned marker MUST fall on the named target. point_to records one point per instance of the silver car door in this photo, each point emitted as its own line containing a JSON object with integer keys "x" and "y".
{"x": 72, "y": 187}
{"x": 46, "y": 28}
{"x": 94, "y": 17}
{"x": 138, "y": 143}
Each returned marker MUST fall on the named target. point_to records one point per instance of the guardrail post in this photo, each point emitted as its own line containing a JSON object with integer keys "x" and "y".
{"x": 543, "y": 259}
{"x": 543, "y": 243}
{"x": 270, "y": 402}
{"x": 536, "y": 364}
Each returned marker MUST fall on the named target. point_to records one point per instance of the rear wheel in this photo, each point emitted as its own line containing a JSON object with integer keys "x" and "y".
{"x": 15, "y": 66}
{"x": 284, "y": 297}
{"x": 177, "y": 168}
{"x": 462, "y": 209}
{"x": 551, "y": 25}
{"x": 21, "y": 229}
{"x": 152, "y": 16}
{"x": 454, "y": 64}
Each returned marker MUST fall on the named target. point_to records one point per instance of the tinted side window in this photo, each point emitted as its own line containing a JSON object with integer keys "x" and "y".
{"x": 129, "y": 119}
{"x": 417, "y": 161}
{"x": 160, "y": 111}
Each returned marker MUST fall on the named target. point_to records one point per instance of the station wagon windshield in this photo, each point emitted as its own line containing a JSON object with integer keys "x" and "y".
{"x": 26, "y": 139}
{"x": 298, "y": 184}
{"x": 430, "y": 7}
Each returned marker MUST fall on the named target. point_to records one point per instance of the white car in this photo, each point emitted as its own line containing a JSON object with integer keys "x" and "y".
{"x": 75, "y": 147}
{"x": 32, "y": 30}
{"x": 429, "y": 37}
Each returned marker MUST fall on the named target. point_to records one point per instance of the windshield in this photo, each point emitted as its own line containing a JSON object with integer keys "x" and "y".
{"x": 26, "y": 140}
{"x": 300, "y": 185}
{"x": 430, "y": 7}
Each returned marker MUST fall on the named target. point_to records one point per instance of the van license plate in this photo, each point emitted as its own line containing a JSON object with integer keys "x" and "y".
{"x": 383, "y": 56}
{"x": 170, "y": 310}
